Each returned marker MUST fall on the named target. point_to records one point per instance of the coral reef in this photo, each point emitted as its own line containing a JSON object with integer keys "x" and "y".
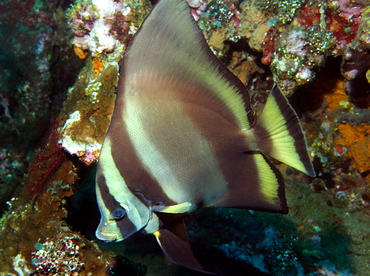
{"x": 59, "y": 255}
{"x": 86, "y": 112}
{"x": 37, "y": 65}
{"x": 48, "y": 160}
{"x": 101, "y": 32}
{"x": 219, "y": 22}
{"x": 356, "y": 139}
{"x": 294, "y": 37}
{"x": 101, "y": 26}
{"x": 316, "y": 52}
{"x": 28, "y": 223}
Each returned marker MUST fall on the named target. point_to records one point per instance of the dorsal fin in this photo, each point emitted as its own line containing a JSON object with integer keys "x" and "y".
{"x": 178, "y": 55}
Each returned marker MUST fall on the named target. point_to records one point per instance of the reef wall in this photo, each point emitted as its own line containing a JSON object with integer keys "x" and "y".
{"x": 60, "y": 66}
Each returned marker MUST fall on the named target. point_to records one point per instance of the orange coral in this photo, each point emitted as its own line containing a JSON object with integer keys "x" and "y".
{"x": 98, "y": 66}
{"x": 80, "y": 53}
{"x": 357, "y": 140}
{"x": 337, "y": 96}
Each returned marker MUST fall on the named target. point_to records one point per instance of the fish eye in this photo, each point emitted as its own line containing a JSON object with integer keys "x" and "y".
{"x": 118, "y": 213}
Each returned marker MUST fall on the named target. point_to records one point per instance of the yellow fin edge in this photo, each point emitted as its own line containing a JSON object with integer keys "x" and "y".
{"x": 268, "y": 181}
{"x": 176, "y": 209}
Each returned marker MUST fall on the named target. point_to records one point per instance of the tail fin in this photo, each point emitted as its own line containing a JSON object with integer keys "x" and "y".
{"x": 280, "y": 135}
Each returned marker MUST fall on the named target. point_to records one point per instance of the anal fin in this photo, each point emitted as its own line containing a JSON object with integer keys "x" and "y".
{"x": 177, "y": 247}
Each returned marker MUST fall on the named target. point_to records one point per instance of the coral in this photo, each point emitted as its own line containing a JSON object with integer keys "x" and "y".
{"x": 28, "y": 92}
{"x": 297, "y": 52}
{"x": 331, "y": 229}
{"x": 102, "y": 30}
{"x": 27, "y": 223}
{"x": 291, "y": 60}
{"x": 87, "y": 112}
{"x": 20, "y": 266}
{"x": 268, "y": 46}
{"x": 324, "y": 137}
{"x": 36, "y": 66}
{"x": 328, "y": 222}
{"x": 101, "y": 26}
{"x": 219, "y": 13}
{"x": 253, "y": 24}
{"x": 80, "y": 53}
{"x": 243, "y": 66}
{"x": 338, "y": 98}
{"x": 97, "y": 66}
{"x": 284, "y": 10}
{"x": 218, "y": 23}
{"x": 48, "y": 160}
{"x": 354, "y": 67}
{"x": 364, "y": 29}
{"x": 292, "y": 50}
{"x": 296, "y": 36}
{"x": 309, "y": 15}
{"x": 343, "y": 22}
{"x": 197, "y": 7}
{"x": 59, "y": 255}
{"x": 356, "y": 140}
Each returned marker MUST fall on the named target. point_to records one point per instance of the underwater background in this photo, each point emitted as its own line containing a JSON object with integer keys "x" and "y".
{"x": 59, "y": 71}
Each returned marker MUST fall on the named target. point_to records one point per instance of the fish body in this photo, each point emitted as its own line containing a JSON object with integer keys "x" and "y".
{"x": 180, "y": 138}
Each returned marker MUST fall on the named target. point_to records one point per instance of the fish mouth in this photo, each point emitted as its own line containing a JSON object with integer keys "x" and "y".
{"x": 107, "y": 236}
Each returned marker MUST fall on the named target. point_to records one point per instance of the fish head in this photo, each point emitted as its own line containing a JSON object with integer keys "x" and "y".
{"x": 123, "y": 212}
{"x": 119, "y": 223}
{"x": 109, "y": 227}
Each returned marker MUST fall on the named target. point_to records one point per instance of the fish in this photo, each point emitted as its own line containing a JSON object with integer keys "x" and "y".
{"x": 183, "y": 136}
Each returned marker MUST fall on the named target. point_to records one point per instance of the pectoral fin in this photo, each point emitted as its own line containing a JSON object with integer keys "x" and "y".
{"x": 177, "y": 247}
{"x": 174, "y": 209}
